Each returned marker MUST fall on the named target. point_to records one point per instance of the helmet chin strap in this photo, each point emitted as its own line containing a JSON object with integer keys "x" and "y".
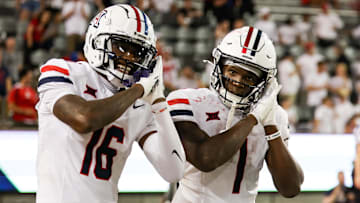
{"x": 231, "y": 114}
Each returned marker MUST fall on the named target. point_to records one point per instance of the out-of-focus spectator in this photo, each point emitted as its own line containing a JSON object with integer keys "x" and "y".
{"x": 5, "y": 87}
{"x": 307, "y": 62}
{"x": 30, "y": 7}
{"x": 344, "y": 110}
{"x": 75, "y": 15}
{"x": 288, "y": 33}
{"x": 238, "y": 23}
{"x": 304, "y": 28}
{"x": 162, "y": 6}
{"x": 340, "y": 83}
{"x": 12, "y": 58}
{"x": 266, "y": 24}
{"x": 357, "y": 99}
{"x": 340, "y": 56}
{"x": 317, "y": 85}
{"x": 189, "y": 15}
{"x": 222, "y": 28}
{"x": 171, "y": 67}
{"x": 324, "y": 117}
{"x": 289, "y": 77}
{"x": 288, "y": 104}
{"x": 352, "y": 123}
{"x": 55, "y": 4}
{"x": 188, "y": 78}
{"x": 356, "y": 171}
{"x": 340, "y": 193}
{"x": 222, "y": 9}
{"x": 355, "y": 34}
{"x": 53, "y": 29}
{"x": 22, "y": 100}
{"x": 34, "y": 35}
{"x": 326, "y": 26}
{"x": 243, "y": 7}
{"x": 101, "y": 5}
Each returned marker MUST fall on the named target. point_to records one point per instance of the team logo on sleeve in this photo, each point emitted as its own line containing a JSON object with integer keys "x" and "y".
{"x": 212, "y": 116}
{"x": 90, "y": 90}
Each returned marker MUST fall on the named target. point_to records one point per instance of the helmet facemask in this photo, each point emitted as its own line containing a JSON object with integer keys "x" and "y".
{"x": 244, "y": 93}
{"x": 126, "y": 60}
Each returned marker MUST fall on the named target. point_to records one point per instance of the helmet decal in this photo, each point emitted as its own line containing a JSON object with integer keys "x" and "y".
{"x": 145, "y": 21}
{"x": 248, "y": 39}
{"x": 256, "y": 43}
{"x": 138, "y": 27}
{"x": 99, "y": 17}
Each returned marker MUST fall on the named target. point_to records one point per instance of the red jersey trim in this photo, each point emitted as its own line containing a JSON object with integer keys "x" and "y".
{"x": 178, "y": 101}
{"x": 55, "y": 68}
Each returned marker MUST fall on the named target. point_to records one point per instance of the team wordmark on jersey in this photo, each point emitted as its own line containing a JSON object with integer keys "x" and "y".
{"x": 212, "y": 116}
{"x": 90, "y": 90}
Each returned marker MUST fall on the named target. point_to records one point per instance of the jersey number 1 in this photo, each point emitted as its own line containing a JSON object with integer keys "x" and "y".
{"x": 101, "y": 172}
{"x": 240, "y": 168}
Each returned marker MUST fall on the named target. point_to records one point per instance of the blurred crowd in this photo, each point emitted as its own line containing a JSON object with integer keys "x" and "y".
{"x": 318, "y": 64}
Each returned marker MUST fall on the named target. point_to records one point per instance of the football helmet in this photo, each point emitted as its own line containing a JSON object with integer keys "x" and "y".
{"x": 120, "y": 44}
{"x": 251, "y": 50}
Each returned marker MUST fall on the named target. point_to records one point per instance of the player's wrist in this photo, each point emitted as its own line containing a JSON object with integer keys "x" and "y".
{"x": 158, "y": 100}
{"x": 140, "y": 89}
{"x": 271, "y": 132}
{"x": 253, "y": 119}
{"x": 159, "y": 107}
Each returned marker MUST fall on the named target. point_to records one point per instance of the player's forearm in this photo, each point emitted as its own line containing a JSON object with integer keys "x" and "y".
{"x": 287, "y": 174}
{"x": 86, "y": 116}
{"x": 105, "y": 111}
{"x": 164, "y": 149}
{"x": 220, "y": 148}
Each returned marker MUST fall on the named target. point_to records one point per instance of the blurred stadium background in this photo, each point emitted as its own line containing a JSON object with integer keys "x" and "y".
{"x": 185, "y": 40}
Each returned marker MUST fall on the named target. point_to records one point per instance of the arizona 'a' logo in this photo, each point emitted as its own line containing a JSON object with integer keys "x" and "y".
{"x": 90, "y": 90}
{"x": 98, "y": 18}
{"x": 212, "y": 116}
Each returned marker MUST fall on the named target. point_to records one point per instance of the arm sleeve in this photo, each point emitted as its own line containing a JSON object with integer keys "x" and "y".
{"x": 55, "y": 82}
{"x": 164, "y": 148}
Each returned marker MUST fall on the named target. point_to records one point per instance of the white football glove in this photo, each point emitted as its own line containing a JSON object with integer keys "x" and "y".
{"x": 267, "y": 103}
{"x": 153, "y": 85}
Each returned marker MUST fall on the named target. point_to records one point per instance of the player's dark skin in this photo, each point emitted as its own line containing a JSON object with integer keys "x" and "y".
{"x": 199, "y": 146}
{"x": 87, "y": 116}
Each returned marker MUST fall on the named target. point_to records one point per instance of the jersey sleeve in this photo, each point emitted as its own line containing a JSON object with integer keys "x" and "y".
{"x": 180, "y": 106}
{"x": 283, "y": 121}
{"x": 54, "y": 82}
{"x": 149, "y": 127}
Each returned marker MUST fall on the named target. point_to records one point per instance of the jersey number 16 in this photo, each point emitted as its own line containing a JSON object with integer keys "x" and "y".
{"x": 103, "y": 149}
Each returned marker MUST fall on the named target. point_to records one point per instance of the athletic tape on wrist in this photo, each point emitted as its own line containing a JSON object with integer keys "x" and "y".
{"x": 272, "y": 136}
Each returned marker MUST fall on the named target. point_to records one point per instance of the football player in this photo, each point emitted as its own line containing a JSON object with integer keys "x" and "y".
{"x": 230, "y": 129}
{"x": 90, "y": 113}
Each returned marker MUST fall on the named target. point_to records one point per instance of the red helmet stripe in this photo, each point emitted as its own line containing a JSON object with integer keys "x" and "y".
{"x": 248, "y": 37}
{"x": 138, "y": 27}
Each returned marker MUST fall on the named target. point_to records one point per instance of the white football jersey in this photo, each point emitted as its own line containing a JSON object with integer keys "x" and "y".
{"x": 237, "y": 179}
{"x": 73, "y": 167}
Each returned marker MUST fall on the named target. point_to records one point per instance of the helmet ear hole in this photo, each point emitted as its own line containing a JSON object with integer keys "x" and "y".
{"x": 93, "y": 44}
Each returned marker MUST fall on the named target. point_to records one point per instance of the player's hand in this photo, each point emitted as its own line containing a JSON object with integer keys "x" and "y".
{"x": 268, "y": 101}
{"x": 153, "y": 85}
